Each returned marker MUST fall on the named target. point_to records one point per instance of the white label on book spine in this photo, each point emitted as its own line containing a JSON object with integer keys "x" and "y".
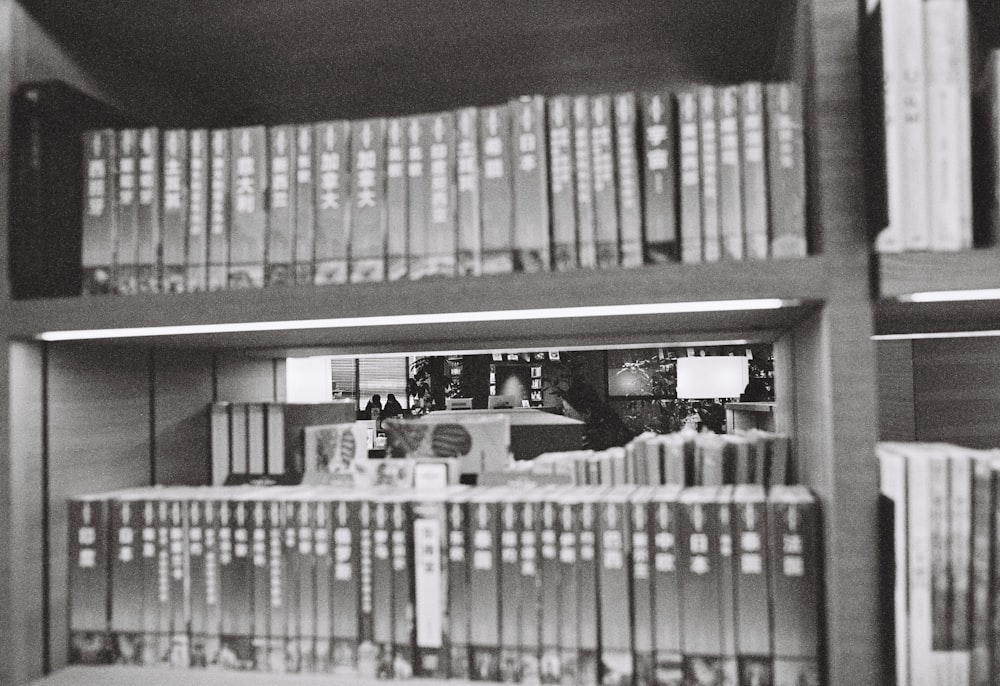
{"x": 427, "y": 582}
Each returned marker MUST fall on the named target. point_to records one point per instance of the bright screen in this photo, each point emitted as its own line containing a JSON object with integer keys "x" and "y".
{"x": 712, "y": 377}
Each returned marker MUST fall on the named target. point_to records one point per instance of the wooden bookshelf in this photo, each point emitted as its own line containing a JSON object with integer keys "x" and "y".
{"x": 74, "y": 416}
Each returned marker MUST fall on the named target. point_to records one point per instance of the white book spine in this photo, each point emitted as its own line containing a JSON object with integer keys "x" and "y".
{"x": 892, "y": 467}
{"x": 960, "y": 506}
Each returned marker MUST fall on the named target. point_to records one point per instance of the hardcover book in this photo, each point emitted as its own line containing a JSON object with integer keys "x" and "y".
{"x": 366, "y": 247}
{"x": 419, "y": 193}
{"x": 602, "y": 162}
{"x": 659, "y": 191}
{"x": 281, "y": 206}
{"x": 786, "y": 169}
{"x": 496, "y": 189}
{"x": 641, "y": 582}
{"x": 549, "y": 585}
{"x": 149, "y": 212}
{"x": 586, "y": 238}
{"x": 430, "y": 583}
{"x": 248, "y": 213}
{"x": 127, "y": 214}
{"x": 442, "y": 234}
{"x": 727, "y": 585}
{"x": 236, "y": 650}
{"x": 219, "y": 211}
{"x": 531, "y": 181}
{"x": 562, "y": 195}
{"x": 396, "y": 200}
{"x": 89, "y": 580}
{"x": 345, "y": 586}
{"x": 316, "y": 576}
{"x": 155, "y": 585}
{"x": 484, "y": 586}
{"x": 587, "y": 662}
{"x": 730, "y": 172}
{"x": 176, "y": 209}
{"x": 530, "y": 628}
{"x": 753, "y": 170}
{"x": 700, "y": 578}
{"x": 98, "y": 229}
{"x": 126, "y": 611}
{"x": 664, "y": 518}
{"x": 459, "y": 598}
{"x": 751, "y": 568}
{"x": 198, "y": 200}
{"x": 708, "y": 139}
{"x": 627, "y": 178}
{"x": 177, "y": 640}
{"x": 614, "y": 533}
{"x": 198, "y": 523}
{"x": 333, "y": 200}
{"x": 382, "y": 586}
{"x": 304, "y": 189}
{"x": 510, "y": 591}
{"x": 689, "y": 194}
{"x": 469, "y": 201}
{"x": 987, "y": 159}
{"x": 404, "y": 599}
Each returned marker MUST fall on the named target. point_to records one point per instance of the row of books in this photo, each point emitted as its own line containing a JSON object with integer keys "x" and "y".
{"x": 939, "y": 504}
{"x": 686, "y": 458}
{"x": 706, "y": 173}
{"x": 934, "y": 199}
{"x": 582, "y": 585}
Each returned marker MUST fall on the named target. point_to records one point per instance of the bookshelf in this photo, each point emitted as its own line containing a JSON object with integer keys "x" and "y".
{"x": 83, "y": 416}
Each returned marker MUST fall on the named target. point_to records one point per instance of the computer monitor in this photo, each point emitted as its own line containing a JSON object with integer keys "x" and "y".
{"x": 501, "y": 402}
{"x": 458, "y": 403}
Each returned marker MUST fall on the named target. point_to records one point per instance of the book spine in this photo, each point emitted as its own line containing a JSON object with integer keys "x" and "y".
{"x": 698, "y": 562}
{"x": 786, "y": 163}
{"x": 316, "y": 575}
{"x": 238, "y": 452}
{"x": 892, "y": 485}
{"x": 333, "y": 201}
{"x": 237, "y": 632}
{"x": 940, "y": 565}
{"x": 256, "y": 432}
{"x": 418, "y": 200}
{"x": 218, "y": 420}
{"x": 659, "y": 190}
{"x": 219, "y": 211}
{"x": 274, "y": 414}
{"x": 751, "y": 569}
{"x": 994, "y": 609}
{"x": 688, "y": 124}
{"x": 987, "y": 158}
{"x": 730, "y": 173}
{"x": 346, "y": 587}
{"x": 496, "y": 190}
{"x": 403, "y": 592}
{"x": 366, "y": 636}
{"x": 158, "y": 623}
{"x": 470, "y": 228}
{"x": 197, "y": 582}
{"x": 510, "y": 591}
{"x": 530, "y": 172}
{"x": 300, "y": 609}
{"x": 150, "y": 592}
{"x": 127, "y": 213}
{"x": 89, "y": 578}
{"x": 708, "y": 138}
{"x": 753, "y": 170}
{"x": 666, "y": 586}
{"x": 304, "y": 190}
{"x": 960, "y": 563}
{"x": 430, "y": 582}
{"x": 98, "y": 224}
{"x": 149, "y": 211}
{"x": 281, "y": 210}
{"x": 795, "y": 559}
{"x": 126, "y": 623}
{"x": 562, "y": 195}
{"x": 248, "y": 213}
{"x": 459, "y": 597}
{"x": 549, "y": 583}
{"x": 982, "y": 535}
{"x": 179, "y": 643}
{"x": 382, "y": 587}
{"x": 918, "y": 567}
{"x": 396, "y": 202}
{"x": 586, "y": 238}
{"x": 484, "y": 620}
{"x": 946, "y": 30}
{"x": 176, "y": 209}
{"x": 642, "y": 607}
{"x": 442, "y": 232}
{"x": 530, "y": 629}
{"x": 260, "y": 585}
{"x": 366, "y": 247}
{"x": 627, "y": 179}
{"x": 213, "y": 610}
{"x": 605, "y": 188}
{"x": 198, "y": 199}
{"x": 588, "y": 596}
{"x": 277, "y": 581}
{"x": 563, "y": 669}
{"x": 727, "y": 585}
{"x": 614, "y": 532}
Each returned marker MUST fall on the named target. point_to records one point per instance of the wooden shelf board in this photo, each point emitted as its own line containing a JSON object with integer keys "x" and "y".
{"x": 800, "y": 280}
{"x": 118, "y": 675}
{"x": 914, "y": 272}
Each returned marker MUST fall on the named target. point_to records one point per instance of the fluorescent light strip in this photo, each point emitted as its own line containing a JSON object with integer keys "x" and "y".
{"x": 430, "y": 318}
{"x": 935, "y": 334}
{"x": 951, "y": 296}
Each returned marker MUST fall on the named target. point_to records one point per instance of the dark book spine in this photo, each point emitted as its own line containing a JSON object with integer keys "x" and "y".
{"x": 366, "y": 247}
{"x": 586, "y": 238}
{"x": 627, "y": 177}
{"x": 753, "y": 615}
{"x": 89, "y": 579}
{"x": 664, "y": 518}
{"x": 396, "y": 204}
{"x": 304, "y": 190}
{"x": 176, "y": 210}
{"x": 260, "y": 584}
{"x": 786, "y": 169}
{"x": 127, "y": 214}
{"x": 458, "y": 590}
{"x": 940, "y": 534}
{"x": 563, "y": 670}
{"x": 484, "y": 621}
{"x": 366, "y": 634}
{"x": 616, "y": 640}
{"x": 150, "y": 585}
{"x": 708, "y": 138}
{"x": 602, "y": 160}
{"x": 689, "y": 193}
{"x": 986, "y": 160}
{"x": 960, "y": 564}
{"x": 659, "y": 190}
{"x": 796, "y": 583}
{"x": 248, "y": 208}
{"x": 587, "y": 596}
{"x": 199, "y": 170}
{"x": 754, "y": 170}
{"x": 642, "y": 605}
{"x": 281, "y": 210}
{"x": 382, "y": 607}
{"x": 315, "y": 576}
{"x": 333, "y": 200}
{"x": 256, "y": 442}
{"x": 727, "y": 585}
{"x": 419, "y": 193}
{"x": 127, "y": 596}
{"x": 277, "y": 582}
{"x": 510, "y": 591}
{"x": 98, "y": 228}
{"x": 442, "y": 232}
{"x": 530, "y": 628}
{"x": 982, "y": 536}
{"x": 562, "y": 195}
{"x": 213, "y": 610}
{"x": 158, "y": 623}
{"x": 549, "y": 585}
{"x": 235, "y": 587}
{"x": 346, "y": 587}
{"x": 238, "y": 463}
{"x": 177, "y": 640}
{"x": 730, "y": 173}
{"x": 698, "y": 562}
{"x": 403, "y": 596}
{"x": 150, "y": 212}
{"x": 496, "y": 189}
{"x": 298, "y": 630}
{"x": 197, "y": 582}
{"x": 219, "y": 211}
{"x": 430, "y": 587}
{"x": 530, "y": 173}
{"x": 468, "y": 200}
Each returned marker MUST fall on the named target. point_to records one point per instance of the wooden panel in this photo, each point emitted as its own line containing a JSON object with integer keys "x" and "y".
{"x": 242, "y": 378}
{"x": 895, "y": 391}
{"x": 957, "y": 391}
{"x": 98, "y": 424}
{"x": 182, "y": 391}
{"x": 913, "y": 272}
